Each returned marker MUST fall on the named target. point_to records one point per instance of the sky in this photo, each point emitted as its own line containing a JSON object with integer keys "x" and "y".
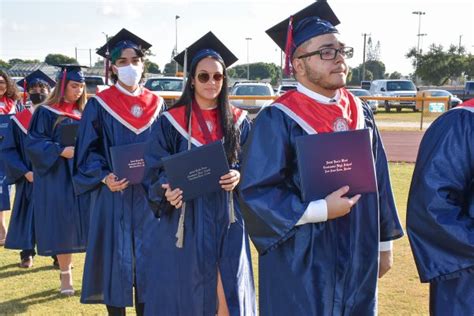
{"x": 31, "y": 29}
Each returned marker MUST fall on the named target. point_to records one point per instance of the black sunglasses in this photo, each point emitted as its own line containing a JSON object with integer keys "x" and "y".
{"x": 204, "y": 77}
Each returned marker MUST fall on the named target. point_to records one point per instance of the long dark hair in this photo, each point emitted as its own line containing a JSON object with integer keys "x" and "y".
{"x": 229, "y": 130}
{"x": 12, "y": 90}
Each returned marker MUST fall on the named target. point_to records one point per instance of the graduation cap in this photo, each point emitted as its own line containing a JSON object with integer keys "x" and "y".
{"x": 120, "y": 41}
{"x": 35, "y": 77}
{"x": 207, "y": 46}
{"x": 314, "y": 20}
{"x": 69, "y": 72}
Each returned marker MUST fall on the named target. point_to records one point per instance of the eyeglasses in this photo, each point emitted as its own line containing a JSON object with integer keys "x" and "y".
{"x": 330, "y": 53}
{"x": 204, "y": 77}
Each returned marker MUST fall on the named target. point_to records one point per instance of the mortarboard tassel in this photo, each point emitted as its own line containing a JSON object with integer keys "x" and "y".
{"x": 180, "y": 231}
{"x": 232, "y": 218}
{"x": 24, "y": 92}
{"x": 289, "y": 45}
{"x": 63, "y": 84}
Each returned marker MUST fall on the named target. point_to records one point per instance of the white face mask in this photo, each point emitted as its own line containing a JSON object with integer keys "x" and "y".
{"x": 130, "y": 75}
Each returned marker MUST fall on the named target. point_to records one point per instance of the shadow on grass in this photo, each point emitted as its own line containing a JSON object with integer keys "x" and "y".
{"x": 21, "y": 305}
{"x": 9, "y": 266}
{"x": 20, "y": 271}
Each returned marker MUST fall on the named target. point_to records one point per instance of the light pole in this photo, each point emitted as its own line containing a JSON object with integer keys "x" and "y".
{"x": 419, "y": 13}
{"x": 248, "y": 39}
{"x": 176, "y": 40}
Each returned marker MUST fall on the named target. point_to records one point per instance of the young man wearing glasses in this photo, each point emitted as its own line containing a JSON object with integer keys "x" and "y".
{"x": 321, "y": 257}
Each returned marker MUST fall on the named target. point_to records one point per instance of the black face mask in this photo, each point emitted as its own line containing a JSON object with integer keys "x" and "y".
{"x": 37, "y": 98}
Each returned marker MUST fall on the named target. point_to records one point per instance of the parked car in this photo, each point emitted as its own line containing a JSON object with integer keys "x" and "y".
{"x": 252, "y": 89}
{"x": 468, "y": 91}
{"x": 394, "y": 88}
{"x": 365, "y": 85}
{"x": 455, "y": 101}
{"x": 170, "y": 88}
{"x": 94, "y": 84}
{"x": 364, "y": 93}
{"x": 283, "y": 88}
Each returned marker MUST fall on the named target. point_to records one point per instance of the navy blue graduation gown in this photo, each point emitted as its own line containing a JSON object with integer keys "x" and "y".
{"x": 4, "y": 187}
{"x": 185, "y": 280}
{"x": 61, "y": 218}
{"x": 122, "y": 226}
{"x": 440, "y": 212}
{"x": 21, "y": 233}
{"x": 327, "y": 268}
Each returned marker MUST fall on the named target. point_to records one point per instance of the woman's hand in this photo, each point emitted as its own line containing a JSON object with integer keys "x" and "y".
{"x": 114, "y": 185}
{"x": 229, "y": 181}
{"x": 68, "y": 152}
{"x": 29, "y": 176}
{"x": 174, "y": 197}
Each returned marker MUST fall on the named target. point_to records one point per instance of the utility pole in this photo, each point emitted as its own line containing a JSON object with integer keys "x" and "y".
{"x": 248, "y": 39}
{"x": 176, "y": 40}
{"x": 363, "y": 57}
{"x": 419, "y": 35}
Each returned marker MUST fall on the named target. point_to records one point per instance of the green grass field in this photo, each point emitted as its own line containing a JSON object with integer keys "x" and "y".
{"x": 406, "y": 115}
{"x": 35, "y": 291}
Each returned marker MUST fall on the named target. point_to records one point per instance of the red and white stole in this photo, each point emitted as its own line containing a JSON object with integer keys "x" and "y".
{"x": 67, "y": 109}
{"x": 137, "y": 113}
{"x": 7, "y": 106}
{"x": 468, "y": 105}
{"x": 23, "y": 119}
{"x": 315, "y": 117}
{"x": 177, "y": 117}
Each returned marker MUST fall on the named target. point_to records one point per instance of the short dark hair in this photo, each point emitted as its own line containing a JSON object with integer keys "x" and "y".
{"x": 114, "y": 77}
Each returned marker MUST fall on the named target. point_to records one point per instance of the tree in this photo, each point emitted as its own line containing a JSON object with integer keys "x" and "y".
{"x": 152, "y": 67}
{"x": 395, "y": 75}
{"x": 15, "y": 61}
{"x": 376, "y": 67}
{"x": 4, "y": 65}
{"x": 170, "y": 68}
{"x": 54, "y": 59}
{"x": 373, "y": 52}
{"x": 437, "y": 66}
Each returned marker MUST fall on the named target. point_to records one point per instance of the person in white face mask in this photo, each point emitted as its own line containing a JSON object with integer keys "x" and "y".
{"x": 122, "y": 226}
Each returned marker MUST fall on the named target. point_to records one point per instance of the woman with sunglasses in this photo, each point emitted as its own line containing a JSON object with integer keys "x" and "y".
{"x": 61, "y": 217}
{"x": 205, "y": 266}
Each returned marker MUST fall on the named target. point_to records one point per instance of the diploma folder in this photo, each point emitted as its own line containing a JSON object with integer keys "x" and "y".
{"x": 330, "y": 161}
{"x": 197, "y": 171}
{"x": 68, "y": 134}
{"x": 128, "y": 162}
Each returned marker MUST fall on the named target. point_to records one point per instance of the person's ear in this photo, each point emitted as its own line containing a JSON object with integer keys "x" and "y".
{"x": 298, "y": 66}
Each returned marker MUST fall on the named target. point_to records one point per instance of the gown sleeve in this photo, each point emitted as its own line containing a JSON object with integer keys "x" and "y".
{"x": 40, "y": 145}
{"x": 90, "y": 164}
{"x": 159, "y": 145}
{"x": 440, "y": 212}
{"x": 390, "y": 226}
{"x": 15, "y": 167}
{"x": 270, "y": 201}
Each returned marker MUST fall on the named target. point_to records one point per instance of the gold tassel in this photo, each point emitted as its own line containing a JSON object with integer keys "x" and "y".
{"x": 232, "y": 218}
{"x": 180, "y": 231}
